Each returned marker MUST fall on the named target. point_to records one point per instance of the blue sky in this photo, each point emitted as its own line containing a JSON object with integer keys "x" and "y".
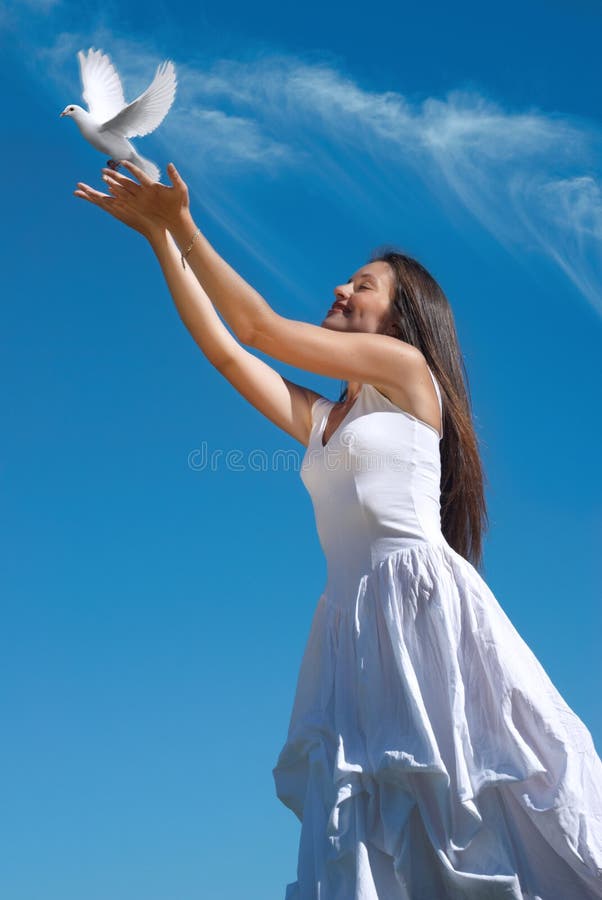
{"x": 154, "y": 614}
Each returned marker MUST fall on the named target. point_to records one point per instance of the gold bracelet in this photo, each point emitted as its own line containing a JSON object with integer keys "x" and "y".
{"x": 189, "y": 248}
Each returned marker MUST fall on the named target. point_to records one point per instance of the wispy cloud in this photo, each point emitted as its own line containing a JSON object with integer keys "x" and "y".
{"x": 565, "y": 217}
{"x": 232, "y": 139}
{"x": 502, "y": 165}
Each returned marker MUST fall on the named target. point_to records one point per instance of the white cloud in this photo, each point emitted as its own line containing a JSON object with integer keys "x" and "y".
{"x": 224, "y": 139}
{"x": 503, "y": 166}
{"x": 565, "y": 217}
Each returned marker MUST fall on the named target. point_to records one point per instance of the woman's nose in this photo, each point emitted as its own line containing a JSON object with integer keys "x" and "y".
{"x": 341, "y": 291}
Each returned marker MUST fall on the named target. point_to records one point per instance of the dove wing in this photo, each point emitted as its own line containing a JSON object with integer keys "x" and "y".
{"x": 102, "y": 88}
{"x": 147, "y": 111}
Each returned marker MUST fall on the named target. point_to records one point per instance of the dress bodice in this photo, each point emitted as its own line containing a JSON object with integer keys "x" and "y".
{"x": 375, "y": 486}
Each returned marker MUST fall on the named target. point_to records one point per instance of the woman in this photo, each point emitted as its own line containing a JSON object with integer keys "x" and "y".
{"x": 429, "y": 756}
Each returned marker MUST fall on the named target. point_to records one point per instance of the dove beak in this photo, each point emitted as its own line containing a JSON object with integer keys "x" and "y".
{"x": 62, "y": 114}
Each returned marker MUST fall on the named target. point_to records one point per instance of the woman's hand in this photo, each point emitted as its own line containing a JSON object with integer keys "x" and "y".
{"x": 165, "y": 206}
{"x": 120, "y": 210}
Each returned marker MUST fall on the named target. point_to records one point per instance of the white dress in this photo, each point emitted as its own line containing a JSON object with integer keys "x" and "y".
{"x": 429, "y": 756}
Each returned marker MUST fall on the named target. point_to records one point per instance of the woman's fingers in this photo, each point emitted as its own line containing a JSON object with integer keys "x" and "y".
{"x": 117, "y": 190}
{"x": 126, "y": 183}
{"x": 90, "y": 193}
{"x": 105, "y": 201}
{"x": 142, "y": 177}
{"x": 174, "y": 176}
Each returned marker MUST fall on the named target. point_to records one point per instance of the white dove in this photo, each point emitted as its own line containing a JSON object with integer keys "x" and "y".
{"x": 109, "y": 121}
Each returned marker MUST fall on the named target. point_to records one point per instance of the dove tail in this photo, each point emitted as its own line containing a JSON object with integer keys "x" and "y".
{"x": 147, "y": 166}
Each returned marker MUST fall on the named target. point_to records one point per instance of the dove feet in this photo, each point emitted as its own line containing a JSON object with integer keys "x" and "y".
{"x": 112, "y": 164}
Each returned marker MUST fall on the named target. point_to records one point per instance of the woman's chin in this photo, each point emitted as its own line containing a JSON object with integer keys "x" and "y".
{"x": 334, "y": 321}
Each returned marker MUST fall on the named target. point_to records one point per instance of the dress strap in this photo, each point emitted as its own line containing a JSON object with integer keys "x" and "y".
{"x": 438, "y": 391}
{"x": 320, "y": 410}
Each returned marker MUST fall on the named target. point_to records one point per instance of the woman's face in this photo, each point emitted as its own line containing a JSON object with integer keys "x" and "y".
{"x": 364, "y": 302}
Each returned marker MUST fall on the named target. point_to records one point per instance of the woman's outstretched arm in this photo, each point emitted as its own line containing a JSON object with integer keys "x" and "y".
{"x": 193, "y": 305}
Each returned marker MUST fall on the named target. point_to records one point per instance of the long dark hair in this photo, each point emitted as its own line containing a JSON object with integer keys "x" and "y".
{"x": 422, "y": 316}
